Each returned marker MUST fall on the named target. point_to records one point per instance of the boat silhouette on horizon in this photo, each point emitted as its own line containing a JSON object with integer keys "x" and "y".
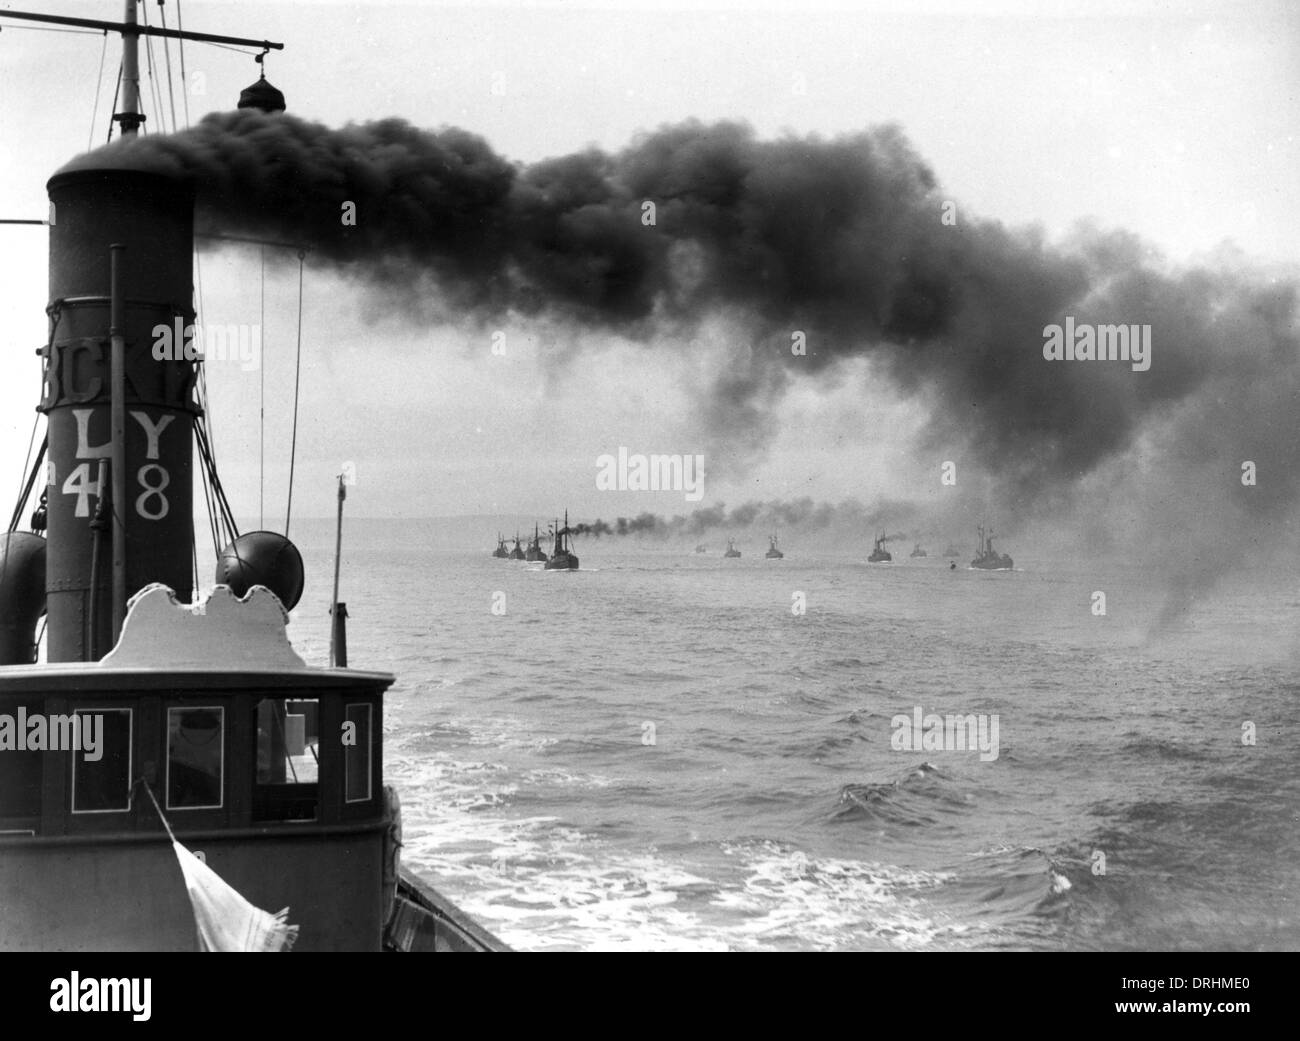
{"x": 562, "y": 558}
{"x": 989, "y": 559}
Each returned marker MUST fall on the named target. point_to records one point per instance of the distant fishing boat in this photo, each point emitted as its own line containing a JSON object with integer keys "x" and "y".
{"x": 880, "y": 555}
{"x": 917, "y": 551}
{"x": 732, "y": 551}
{"x": 501, "y": 550}
{"x": 772, "y": 552}
{"x": 518, "y": 552}
{"x": 562, "y": 559}
{"x": 534, "y": 550}
{"x": 700, "y": 549}
{"x": 988, "y": 559}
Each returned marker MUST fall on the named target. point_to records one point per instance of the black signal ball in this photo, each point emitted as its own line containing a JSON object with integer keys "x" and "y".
{"x": 263, "y": 558}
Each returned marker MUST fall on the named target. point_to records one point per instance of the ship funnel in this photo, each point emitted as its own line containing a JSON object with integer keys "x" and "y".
{"x": 151, "y": 217}
{"x": 22, "y": 595}
{"x": 263, "y": 558}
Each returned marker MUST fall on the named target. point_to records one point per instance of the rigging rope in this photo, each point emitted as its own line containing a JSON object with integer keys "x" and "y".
{"x": 49, "y": 29}
{"x": 116, "y": 92}
{"x": 99, "y": 82}
{"x": 261, "y": 410}
{"x": 26, "y": 492}
{"x": 211, "y": 508}
{"x": 297, "y": 372}
{"x": 167, "y": 53}
{"x": 228, "y": 526}
{"x": 202, "y": 382}
{"x": 204, "y": 421}
{"x": 185, "y": 79}
{"x": 155, "y": 95}
{"x": 27, "y": 479}
{"x": 229, "y": 47}
{"x": 216, "y": 514}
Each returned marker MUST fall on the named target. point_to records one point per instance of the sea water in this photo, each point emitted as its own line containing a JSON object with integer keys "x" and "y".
{"x": 660, "y": 751}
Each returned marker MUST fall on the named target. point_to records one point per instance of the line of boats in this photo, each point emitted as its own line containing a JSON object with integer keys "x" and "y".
{"x": 562, "y": 557}
{"x": 773, "y": 549}
{"x": 986, "y": 557}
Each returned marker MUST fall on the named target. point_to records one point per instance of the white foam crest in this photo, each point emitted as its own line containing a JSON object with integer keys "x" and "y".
{"x": 825, "y": 902}
{"x": 504, "y": 732}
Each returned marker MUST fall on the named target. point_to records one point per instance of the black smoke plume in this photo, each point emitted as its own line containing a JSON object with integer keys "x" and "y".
{"x": 804, "y": 514}
{"x": 839, "y": 239}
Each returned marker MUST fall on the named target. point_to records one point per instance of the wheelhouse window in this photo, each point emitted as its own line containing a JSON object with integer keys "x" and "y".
{"x": 358, "y": 751}
{"x": 196, "y": 741}
{"x": 101, "y": 770}
{"x": 287, "y": 759}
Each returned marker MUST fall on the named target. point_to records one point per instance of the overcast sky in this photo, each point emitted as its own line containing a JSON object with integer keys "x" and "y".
{"x": 1176, "y": 121}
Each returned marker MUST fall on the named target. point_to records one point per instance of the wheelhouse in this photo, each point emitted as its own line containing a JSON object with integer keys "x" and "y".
{"x": 268, "y": 769}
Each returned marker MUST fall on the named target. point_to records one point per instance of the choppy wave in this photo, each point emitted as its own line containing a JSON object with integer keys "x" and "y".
{"x": 764, "y": 809}
{"x": 923, "y": 796}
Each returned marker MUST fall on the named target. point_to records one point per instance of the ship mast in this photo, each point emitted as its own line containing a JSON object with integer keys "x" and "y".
{"x": 94, "y": 386}
{"x": 131, "y": 117}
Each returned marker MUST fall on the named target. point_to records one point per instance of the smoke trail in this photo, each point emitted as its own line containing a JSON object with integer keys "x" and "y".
{"x": 838, "y": 239}
{"x": 804, "y": 514}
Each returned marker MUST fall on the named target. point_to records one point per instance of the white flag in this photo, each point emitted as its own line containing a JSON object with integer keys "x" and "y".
{"x": 226, "y": 921}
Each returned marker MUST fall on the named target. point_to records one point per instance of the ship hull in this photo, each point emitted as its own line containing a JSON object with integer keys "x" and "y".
{"x": 83, "y": 893}
{"x": 992, "y": 562}
{"x": 130, "y": 896}
{"x": 425, "y": 921}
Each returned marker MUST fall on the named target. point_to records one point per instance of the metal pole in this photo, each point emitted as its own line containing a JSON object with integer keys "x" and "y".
{"x": 141, "y": 30}
{"x": 100, "y": 520}
{"x": 130, "y": 114}
{"x": 340, "y": 635}
{"x": 335, "y": 618}
{"x": 117, "y": 421}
